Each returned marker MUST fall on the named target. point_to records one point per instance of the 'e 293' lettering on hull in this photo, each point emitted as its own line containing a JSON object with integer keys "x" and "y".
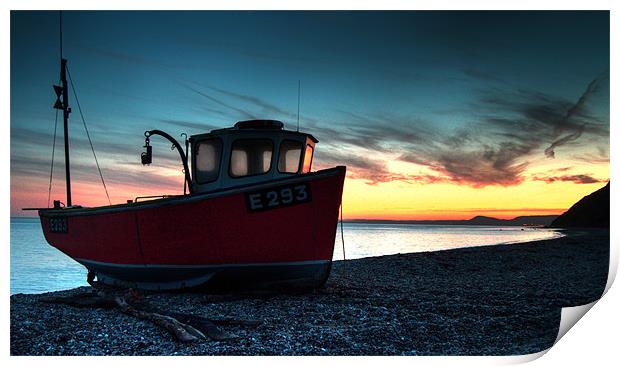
{"x": 280, "y": 196}
{"x": 59, "y": 225}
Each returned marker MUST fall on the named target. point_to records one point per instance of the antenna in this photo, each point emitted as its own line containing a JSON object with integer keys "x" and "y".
{"x": 298, "y": 97}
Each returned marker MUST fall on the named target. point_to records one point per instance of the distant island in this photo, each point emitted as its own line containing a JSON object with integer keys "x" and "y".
{"x": 535, "y": 220}
{"x": 590, "y": 211}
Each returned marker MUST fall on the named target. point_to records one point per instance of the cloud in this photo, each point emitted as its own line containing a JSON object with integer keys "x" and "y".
{"x": 592, "y": 158}
{"x": 560, "y": 170}
{"x": 384, "y": 132}
{"x": 377, "y": 177}
{"x": 200, "y": 127}
{"x": 550, "y": 151}
{"x": 508, "y": 130}
{"x": 461, "y": 157}
{"x": 568, "y": 120}
{"x": 515, "y": 128}
{"x": 577, "y": 179}
{"x": 241, "y": 112}
{"x": 550, "y": 115}
{"x": 255, "y": 107}
{"x": 267, "y": 108}
{"x": 466, "y": 156}
{"x": 119, "y": 161}
{"x": 478, "y": 168}
{"x": 373, "y": 171}
{"x": 577, "y": 109}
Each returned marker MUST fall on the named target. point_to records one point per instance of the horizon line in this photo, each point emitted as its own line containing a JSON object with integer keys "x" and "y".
{"x": 379, "y": 219}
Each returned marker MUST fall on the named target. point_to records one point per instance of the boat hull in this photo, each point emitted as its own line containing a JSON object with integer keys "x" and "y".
{"x": 227, "y": 276}
{"x": 229, "y": 238}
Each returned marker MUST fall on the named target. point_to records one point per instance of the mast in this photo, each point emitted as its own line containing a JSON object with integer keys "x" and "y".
{"x": 65, "y": 115}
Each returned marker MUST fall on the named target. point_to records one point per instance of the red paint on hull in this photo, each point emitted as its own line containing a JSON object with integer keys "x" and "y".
{"x": 207, "y": 229}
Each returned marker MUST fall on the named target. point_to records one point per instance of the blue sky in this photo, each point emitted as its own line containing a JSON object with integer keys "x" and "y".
{"x": 424, "y": 88}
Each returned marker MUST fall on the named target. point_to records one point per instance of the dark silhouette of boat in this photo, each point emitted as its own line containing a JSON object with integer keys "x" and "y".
{"x": 253, "y": 214}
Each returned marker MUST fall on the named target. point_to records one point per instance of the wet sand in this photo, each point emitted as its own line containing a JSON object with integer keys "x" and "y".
{"x": 492, "y": 300}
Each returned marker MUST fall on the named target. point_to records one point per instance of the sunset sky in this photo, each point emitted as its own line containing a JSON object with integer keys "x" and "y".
{"x": 435, "y": 114}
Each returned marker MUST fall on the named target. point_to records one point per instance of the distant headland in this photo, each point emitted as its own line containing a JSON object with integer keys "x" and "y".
{"x": 535, "y": 220}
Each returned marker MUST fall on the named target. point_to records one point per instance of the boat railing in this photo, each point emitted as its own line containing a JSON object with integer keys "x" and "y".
{"x": 153, "y": 197}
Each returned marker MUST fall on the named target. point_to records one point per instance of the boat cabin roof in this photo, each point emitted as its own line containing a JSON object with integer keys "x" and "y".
{"x": 252, "y": 126}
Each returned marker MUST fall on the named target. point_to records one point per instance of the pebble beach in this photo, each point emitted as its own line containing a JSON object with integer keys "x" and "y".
{"x": 492, "y": 300}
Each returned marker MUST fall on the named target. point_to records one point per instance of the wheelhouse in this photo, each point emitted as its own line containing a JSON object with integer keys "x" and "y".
{"x": 250, "y": 152}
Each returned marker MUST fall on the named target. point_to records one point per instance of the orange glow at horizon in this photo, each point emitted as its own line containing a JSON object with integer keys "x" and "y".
{"x": 393, "y": 200}
{"x": 405, "y": 201}
{"x": 31, "y": 195}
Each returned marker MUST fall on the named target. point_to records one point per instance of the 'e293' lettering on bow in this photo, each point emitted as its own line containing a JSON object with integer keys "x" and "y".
{"x": 278, "y": 197}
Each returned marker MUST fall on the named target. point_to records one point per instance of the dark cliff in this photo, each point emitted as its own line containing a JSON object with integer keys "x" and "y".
{"x": 591, "y": 211}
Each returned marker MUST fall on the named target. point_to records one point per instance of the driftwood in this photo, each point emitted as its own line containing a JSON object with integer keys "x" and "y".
{"x": 182, "y": 332}
{"x": 184, "y": 327}
{"x": 207, "y": 326}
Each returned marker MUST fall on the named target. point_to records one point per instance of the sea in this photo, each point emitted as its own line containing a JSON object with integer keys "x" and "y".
{"x": 37, "y": 267}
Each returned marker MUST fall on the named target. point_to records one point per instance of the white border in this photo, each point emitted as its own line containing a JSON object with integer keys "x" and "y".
{"x": 594, "y": 338}
{"x": 311, "y": 5}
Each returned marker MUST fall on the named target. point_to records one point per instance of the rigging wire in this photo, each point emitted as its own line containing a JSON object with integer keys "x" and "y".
{"x": 49, "y": 190}
{"x": 88, "y": 135}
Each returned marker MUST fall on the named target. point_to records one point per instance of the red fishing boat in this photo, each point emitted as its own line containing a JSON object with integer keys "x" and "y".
{"x": 255, "y": 214}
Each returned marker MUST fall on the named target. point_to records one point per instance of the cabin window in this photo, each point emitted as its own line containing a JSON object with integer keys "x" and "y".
{"x": 250, "y": 157}
{"x": 290, "y": 156}
{"x": 307, "y": 159}
{"x": 207, "y": 158}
